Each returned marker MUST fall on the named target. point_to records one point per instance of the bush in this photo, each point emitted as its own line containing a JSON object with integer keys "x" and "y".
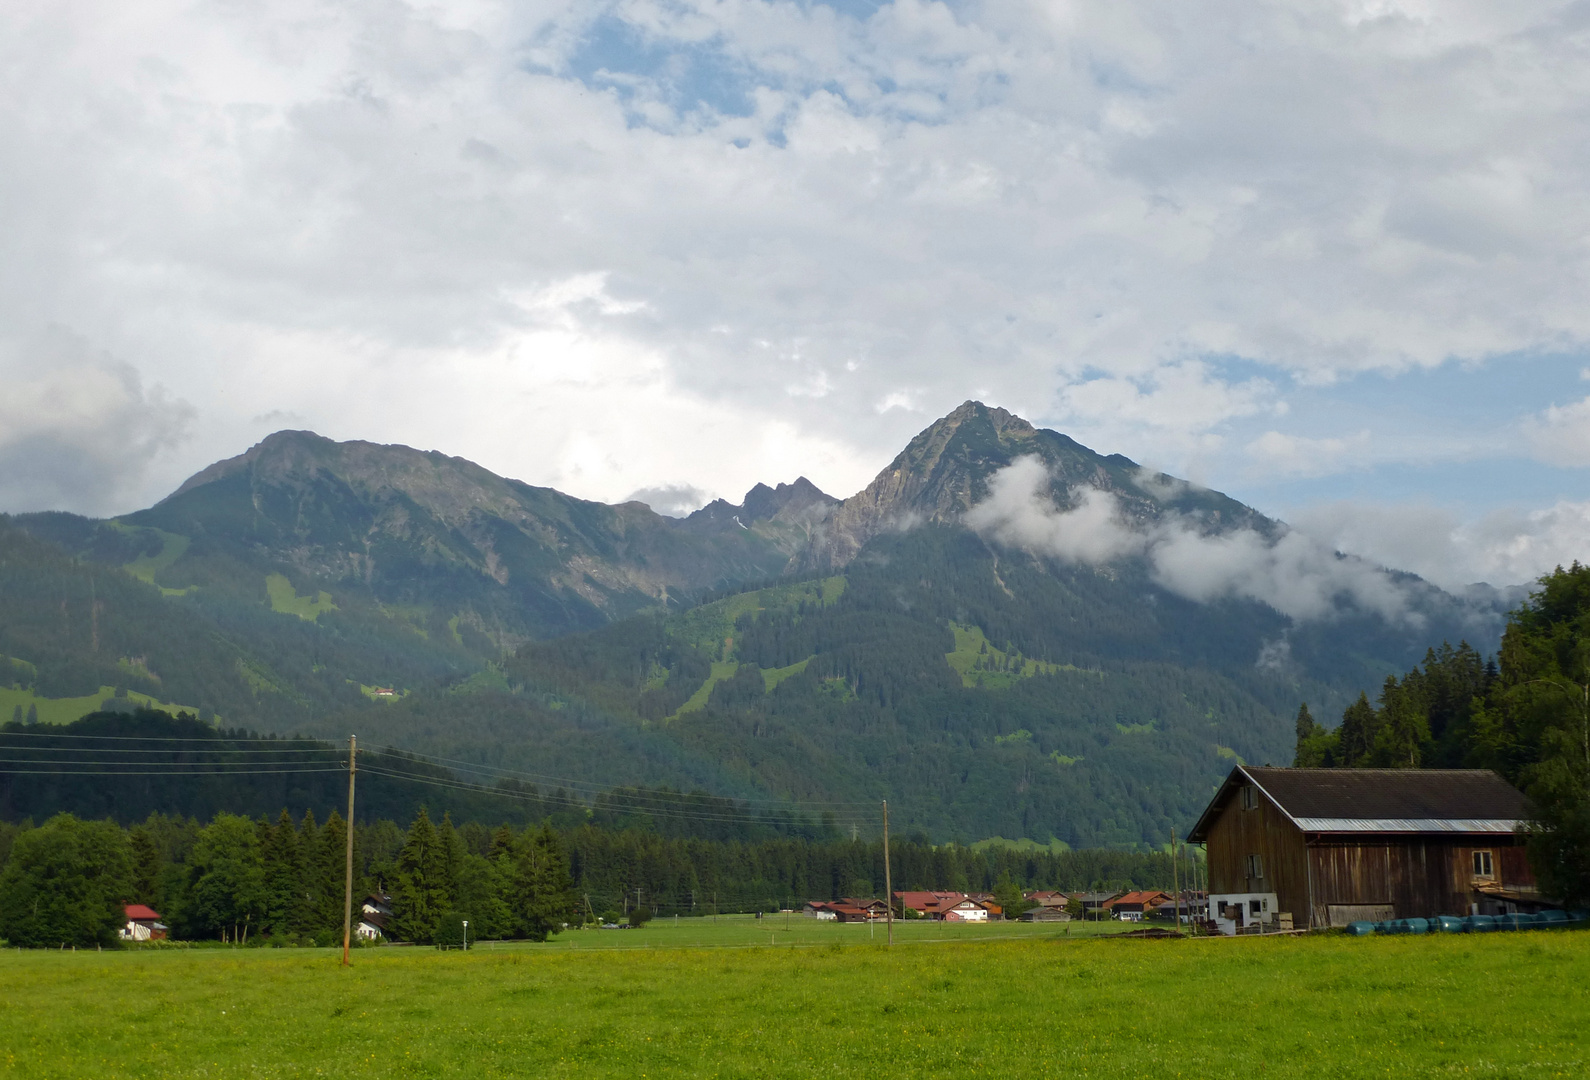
{"x": 640, "y": 916}
{"x": 450, "y": 930}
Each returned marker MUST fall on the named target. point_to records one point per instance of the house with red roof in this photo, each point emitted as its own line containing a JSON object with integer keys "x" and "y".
{"x": 1132, "y": 906}
{"x": 143, "y": 924}
{"x": 927, "y": 905}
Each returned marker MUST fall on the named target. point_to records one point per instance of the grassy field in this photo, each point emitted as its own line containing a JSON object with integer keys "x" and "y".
{"x": 726, "y": 1001}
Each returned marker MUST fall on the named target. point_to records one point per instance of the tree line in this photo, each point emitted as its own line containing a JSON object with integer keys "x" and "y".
{"x": 1524, "y": 713}
{"x": 280, "y": 881}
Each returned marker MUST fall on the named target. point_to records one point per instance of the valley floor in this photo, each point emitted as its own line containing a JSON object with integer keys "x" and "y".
{"x": 664, "y": 1002}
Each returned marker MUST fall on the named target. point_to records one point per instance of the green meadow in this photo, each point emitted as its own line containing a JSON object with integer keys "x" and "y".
{"x": 737, "y": 999}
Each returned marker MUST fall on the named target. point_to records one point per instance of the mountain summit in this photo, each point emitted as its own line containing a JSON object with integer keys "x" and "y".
{"x": 946, "y": 469}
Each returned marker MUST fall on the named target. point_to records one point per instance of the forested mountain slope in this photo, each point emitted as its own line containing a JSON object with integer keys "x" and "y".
{"x": 1005, "y": 633}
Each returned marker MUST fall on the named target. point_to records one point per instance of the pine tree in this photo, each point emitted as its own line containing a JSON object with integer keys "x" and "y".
{"x": 145, "y": 865}
{"x": 327, "y": 876}
{"x": 283, "y": 865}
{"x": 542, "y": 893}
{"x": 1357, "y": 733}
{"x": 16, "y": 714}
{"x": 33, "y": 713}
{"x": 419, "y": 897}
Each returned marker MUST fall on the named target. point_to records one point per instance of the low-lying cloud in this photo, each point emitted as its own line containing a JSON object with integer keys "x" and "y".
{"x": 1291, "y": 572}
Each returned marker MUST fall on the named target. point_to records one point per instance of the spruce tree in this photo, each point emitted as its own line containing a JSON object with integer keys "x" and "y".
{"x": 328, "y": 875}
{"x": 145, "y": 865}
{"x": 33, "y": 713}
{"x": 420, "y": 897}
{"x": 283, "y": 877}
{"x": 1357, "y": 733}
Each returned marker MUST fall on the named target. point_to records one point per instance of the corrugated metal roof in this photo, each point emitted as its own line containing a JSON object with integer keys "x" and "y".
{"x": 1408, "y": 825}
{"x": 1379, "y": 800}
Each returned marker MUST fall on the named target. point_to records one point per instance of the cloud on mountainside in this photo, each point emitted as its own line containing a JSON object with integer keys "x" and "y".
{"x": 1504, "y": 547}
{"x": 1293, "y": 573}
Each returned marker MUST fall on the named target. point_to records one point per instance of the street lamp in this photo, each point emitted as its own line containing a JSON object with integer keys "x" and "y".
{"x": 466, "y": 935}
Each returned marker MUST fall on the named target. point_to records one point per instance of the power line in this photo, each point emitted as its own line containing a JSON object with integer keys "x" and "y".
{"x": 162, "y": 772}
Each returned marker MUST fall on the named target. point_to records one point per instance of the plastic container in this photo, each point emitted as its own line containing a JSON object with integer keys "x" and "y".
{"x": 1416, "y": 926}
{"x": 1447, "y": 924}
{"x": 1508, "y": 922}
{"x": 1478, "y": 924}
{"x": 1360, "y": 929}
{"x": 1551, "y": 920}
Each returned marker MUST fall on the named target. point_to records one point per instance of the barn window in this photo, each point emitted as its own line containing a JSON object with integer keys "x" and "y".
{"x": 1256, "y": 866}
{"x": 1250, "y": 797}
{"x": 1482, "y": 864}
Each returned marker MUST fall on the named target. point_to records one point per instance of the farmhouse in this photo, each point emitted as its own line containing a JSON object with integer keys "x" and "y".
{"x": 143, "y": 924}
{"x": 375, "y": 918}
{"x": 1326, "y": 847}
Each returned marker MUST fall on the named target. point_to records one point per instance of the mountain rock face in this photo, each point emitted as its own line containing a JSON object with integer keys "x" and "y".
{"x": 798, "y": 508}
{"x": 419, "y": 527}
{"x": 945, "y": 471}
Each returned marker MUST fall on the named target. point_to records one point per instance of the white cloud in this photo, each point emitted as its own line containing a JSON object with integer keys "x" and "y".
{"x": 1292, "y": 572}
{"x": 1274, "y": 454}
{"x": 76, "y": 426}
{"x": 1504, "y": 547}
{"x": 360, "y": 212}
{"x": 1561, "y": 434}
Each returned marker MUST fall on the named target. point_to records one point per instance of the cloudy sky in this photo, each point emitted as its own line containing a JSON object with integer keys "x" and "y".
{"x": 1330, "y": 257}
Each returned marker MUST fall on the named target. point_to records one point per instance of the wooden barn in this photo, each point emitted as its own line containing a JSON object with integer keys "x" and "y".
{"x": 1331, "y": 846}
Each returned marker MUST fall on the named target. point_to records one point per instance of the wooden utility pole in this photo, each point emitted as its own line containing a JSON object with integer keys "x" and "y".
{"x": 1175, "y": 884}
{"x": 888, "y": 879}
{"x": 347, "y": 886}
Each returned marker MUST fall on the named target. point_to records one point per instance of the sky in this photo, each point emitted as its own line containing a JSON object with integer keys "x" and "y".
{"x": 1329, "y": 257}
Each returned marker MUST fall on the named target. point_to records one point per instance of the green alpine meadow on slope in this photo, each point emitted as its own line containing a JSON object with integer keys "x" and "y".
{"x": 1503, "y": 1005}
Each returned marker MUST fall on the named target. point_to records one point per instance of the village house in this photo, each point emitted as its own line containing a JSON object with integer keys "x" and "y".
{"x": 970, "y": 910}
{"x": 1132, "y": 906}
{"x": 375, "y": 918}
{"x": 928, "y": 905}
{"x": 143, "y": 924}
{"x": 1326, "y": 847}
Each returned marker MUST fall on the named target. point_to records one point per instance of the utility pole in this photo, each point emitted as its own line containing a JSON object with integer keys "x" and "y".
{"x": 1175, "y": 885}
{"x": 347, "y": 887}
{"x": 888, "y": 880}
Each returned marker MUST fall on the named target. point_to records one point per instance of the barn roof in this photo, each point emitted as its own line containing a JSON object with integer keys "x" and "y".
{"x": 1380, "y": 800}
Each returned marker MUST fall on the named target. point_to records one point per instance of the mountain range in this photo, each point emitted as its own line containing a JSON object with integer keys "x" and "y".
{"x": 1004, "y": 633}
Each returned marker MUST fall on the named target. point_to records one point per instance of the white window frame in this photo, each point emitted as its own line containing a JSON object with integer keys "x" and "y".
{"x": 1484, "y": 864}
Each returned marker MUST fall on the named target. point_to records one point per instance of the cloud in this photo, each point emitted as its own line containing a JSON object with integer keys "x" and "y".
{"x": 671, "y": 500}
{"x": 1292, "y": 572}
{"x": 1561, "y": 434}
{"x": 1504, "y": 547}
{"x": 1093, "y": 204}
{"x": 1274, "y": 454}
{"x": 76, "y": 427}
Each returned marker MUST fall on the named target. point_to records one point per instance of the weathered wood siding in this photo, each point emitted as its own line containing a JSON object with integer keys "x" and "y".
{"x": 1419, "y": 877}
{"x": 1267, "y": 832}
